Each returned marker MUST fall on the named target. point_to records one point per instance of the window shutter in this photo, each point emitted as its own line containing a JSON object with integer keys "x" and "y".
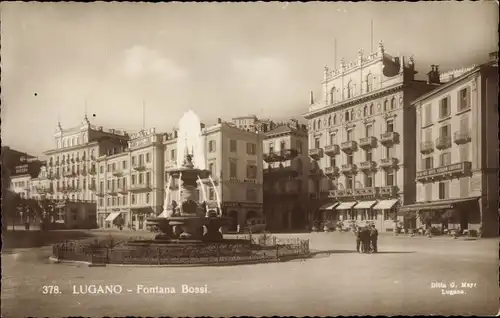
{"x": 468, "y": 98}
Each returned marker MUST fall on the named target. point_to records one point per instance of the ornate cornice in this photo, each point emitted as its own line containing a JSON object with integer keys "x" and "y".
{"x": 354, "y": 101}
{"x": 367, "y": 121}
{"x": 349, "y": 125}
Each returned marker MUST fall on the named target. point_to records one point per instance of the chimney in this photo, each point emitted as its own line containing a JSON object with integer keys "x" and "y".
{"x": 202, "y": 125}
{"x": 219, "y": 120}
{"x": 494, "y": 56}
{"x": 175, "y": 133}
{"x": 433, "y": 75}
{"x": 311, "y": 102}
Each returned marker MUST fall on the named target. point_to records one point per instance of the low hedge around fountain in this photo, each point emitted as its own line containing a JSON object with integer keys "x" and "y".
{"x": 247, "y": 249}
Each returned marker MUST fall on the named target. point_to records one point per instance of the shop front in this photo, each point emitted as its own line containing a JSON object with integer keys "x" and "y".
{"x": 386, "y": 211}
{"x": 443, "y": 216}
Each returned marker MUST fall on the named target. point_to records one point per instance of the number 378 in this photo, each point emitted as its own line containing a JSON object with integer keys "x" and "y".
{"x": 50, "y": 289}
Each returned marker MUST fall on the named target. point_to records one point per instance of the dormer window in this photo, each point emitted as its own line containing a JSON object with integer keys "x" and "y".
{"x": 332, "y": 95}
{"x": 369, "y": 83}
{"x": 350, "y": 90}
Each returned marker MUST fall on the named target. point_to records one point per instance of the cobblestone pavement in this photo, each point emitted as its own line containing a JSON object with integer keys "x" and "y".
{"x": 337, "y": 281}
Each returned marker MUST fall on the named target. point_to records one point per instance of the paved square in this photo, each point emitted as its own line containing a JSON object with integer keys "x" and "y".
{"x": 398, "y": 280}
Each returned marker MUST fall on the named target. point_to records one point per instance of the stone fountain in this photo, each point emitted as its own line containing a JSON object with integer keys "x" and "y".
{"x": 188, "y": 219}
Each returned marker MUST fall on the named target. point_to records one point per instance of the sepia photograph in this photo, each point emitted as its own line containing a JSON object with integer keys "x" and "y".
{"x": 249, "y": 159}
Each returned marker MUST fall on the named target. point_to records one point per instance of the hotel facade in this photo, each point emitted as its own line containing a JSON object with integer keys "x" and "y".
{"x": 286, "y": 176}
{"x": 234, "y": 158}
{"x": 361, "y": 139}
{"x": 72, "y": 169}
{"x": 457, "y": 166}
{"x": 130, "y": 182}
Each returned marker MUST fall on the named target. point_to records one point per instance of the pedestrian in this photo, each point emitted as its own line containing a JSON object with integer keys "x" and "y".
{"x": 374, "y": 238}
{"x": 357, "y": 233}
{"x": 362, "y": 236}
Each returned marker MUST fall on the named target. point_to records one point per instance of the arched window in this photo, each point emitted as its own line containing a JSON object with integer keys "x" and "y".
{"x": 314, "y": 125}
{"x": 386, "y": 105}
{"x": 335, "y": 119}
{"x": 393, "y": 103}
{"x": 365, "y": 111}
{"x": 329, "y": 120}
{"x": 319, "y": 123}
{"x": 371, "y": 109}
{"x": 332, "y": 95}
{"x": 369, "y": 83}
{"x": 349, "y": 89}
{"x": 346, "y": 116}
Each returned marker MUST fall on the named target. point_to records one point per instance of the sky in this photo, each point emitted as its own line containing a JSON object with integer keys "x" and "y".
{"x": 218, "y": 59}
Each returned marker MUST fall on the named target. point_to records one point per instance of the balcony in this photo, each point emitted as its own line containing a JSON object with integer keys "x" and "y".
{"x": 386, "y": 163}
{"x": 140, "y": 187}
{"x": 426, "y": 147}
{"x": 139, "y": 166}
{"x": 112, "y": 191}
{"x": 443, "y": 142}
{"x": 316, "y": 153}
{"x": 369, "y": 191}
{"x": 389, "y": 138}
{"x": 388, "y": 191}
{"x": 117, "y": 173}
{"x": 332, "y": 171}
{"x": 349, "y": 146}
{"x": 92, "y": 171}
{"x": 332, "y": 150}
{"x": 445, "y": 172}
{"x": 43, "y": 190}
{"x": 461, "y": 137}
{"x": 349, "y": 168}
{"x": 68, "y": 173}
{"x": 100, "y": 193}
{"x": 368, "y": 142}
{"x": 346, "y": 193}
{"x": 367, "y": 165}
{"x": 280, "y": 172}
{"x": 278, "y": 156}
{"x": 122, "y": 190}
{"x": 92, "y": 187}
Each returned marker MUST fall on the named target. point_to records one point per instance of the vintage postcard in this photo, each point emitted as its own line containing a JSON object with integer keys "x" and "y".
{"x": 249, "y": 159}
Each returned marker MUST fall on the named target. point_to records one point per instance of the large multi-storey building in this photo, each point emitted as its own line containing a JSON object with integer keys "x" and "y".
{"x": 457, "y": 159}
{"x": 362, "y": 138}
{"x": 71, "y": 167}
{"x": 234, "y": 158}
{"x": 286, "y": 176}
{"x": 130, "y": 182}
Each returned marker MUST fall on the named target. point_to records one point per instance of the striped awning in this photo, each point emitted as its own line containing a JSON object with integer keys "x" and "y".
{"x": 329, "y": 206}
{"x": 346, "y": 205}
{"x": 385, "y": 204}
{"x": 112, "y": 216}
{"x": 365, "y": 205}
{"x": 436, "y": 205}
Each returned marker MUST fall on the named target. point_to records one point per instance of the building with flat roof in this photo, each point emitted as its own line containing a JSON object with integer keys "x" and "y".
{"x": 286, "y": 172}
{"x": 457, "y": 159}
{"x": 362, "y": 139}
{"x": 130, "y": 184}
